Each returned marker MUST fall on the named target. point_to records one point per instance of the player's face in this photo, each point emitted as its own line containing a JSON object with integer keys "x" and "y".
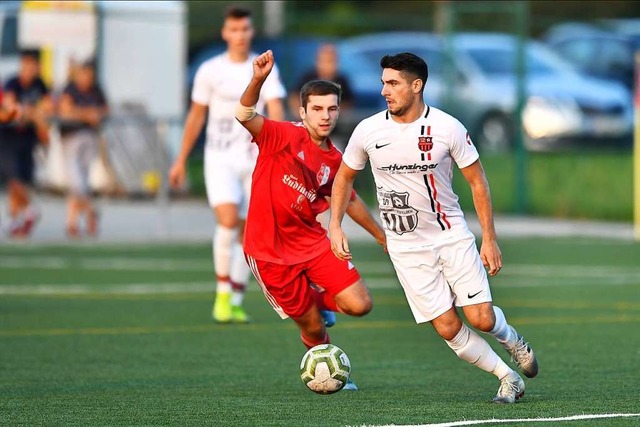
{"x": 401, "y": 94}
{"x": 29, "y": 68}
{"x": 320, "y": 116}
{"x": 238, "y": 32}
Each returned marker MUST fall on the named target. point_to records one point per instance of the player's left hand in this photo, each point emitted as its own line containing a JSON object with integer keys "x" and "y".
{"x": 491, "y": 257}
{"x": 339, "y": 243}
{"x": 263, "y": 65}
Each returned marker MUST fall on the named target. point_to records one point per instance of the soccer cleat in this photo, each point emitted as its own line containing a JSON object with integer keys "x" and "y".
{"x": 222, "y": 307}
{"x": 31, "y": 217}
{"x": 16, "y": 229}
{"x": 511, "y": 389}
{"x": 350, "y": 385}
{"x": 238, "y": 315}
{"x": 329, "y": 317}
{"x": 523, "y": 355}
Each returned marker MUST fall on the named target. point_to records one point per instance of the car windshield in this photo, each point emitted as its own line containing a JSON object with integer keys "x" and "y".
{"x": 500, "y": 60}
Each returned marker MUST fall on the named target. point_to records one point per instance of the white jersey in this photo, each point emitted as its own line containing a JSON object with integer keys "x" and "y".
{"x": 219, "y": 84}
{"x": 412, "y": 164}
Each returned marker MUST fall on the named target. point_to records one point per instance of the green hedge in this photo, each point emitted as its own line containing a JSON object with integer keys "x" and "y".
{"x": 586, "y": 185}
{"x": 589, "y": 185}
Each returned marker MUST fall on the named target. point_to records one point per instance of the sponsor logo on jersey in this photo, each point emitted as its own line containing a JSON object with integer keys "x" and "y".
{"x": 396, "y": 213}
{"x": 323, "y": 174}
{"x": 469, "y": 139}
{"x": 425, "y": 143}
{"x": 378, "y": 146}
{"x": 414, "y": 168}
{"x": 292, "y": 181}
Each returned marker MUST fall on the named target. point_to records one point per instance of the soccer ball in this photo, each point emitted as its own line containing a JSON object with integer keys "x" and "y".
{"x": 325, "y": 369}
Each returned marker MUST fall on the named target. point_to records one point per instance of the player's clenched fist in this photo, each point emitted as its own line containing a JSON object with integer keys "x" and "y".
{"x": 263, "y": 65}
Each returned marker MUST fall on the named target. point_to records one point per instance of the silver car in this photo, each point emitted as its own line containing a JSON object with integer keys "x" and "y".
{"x": 562, "y": 107}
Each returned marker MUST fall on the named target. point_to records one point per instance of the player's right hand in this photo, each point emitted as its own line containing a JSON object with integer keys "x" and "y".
{"x": 177, "y": 174}
{"x": 263, "y": 65}
{"x": 339, "y": 244}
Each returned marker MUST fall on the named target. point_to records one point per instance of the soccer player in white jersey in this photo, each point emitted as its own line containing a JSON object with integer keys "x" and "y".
{"x": 412, "y": 148}
{"x": 229, "y": 155}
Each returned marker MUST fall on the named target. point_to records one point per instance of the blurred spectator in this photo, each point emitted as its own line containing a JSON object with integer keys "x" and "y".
{"x": 82, "y": 108}
{"x": 327, "y": 68}
{"x": 6, "y": 115}
{"x": 26, "y": 93}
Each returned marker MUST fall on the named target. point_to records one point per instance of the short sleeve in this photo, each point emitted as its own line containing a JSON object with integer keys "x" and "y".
{"x": 11, "y": 86}
{"x": 42, "y": 86}
{"x": 274, "y": 136}
{"x": 347, "y": 92}
{"x": 462, "y": 149}
{"x": 202, "y": 88}
{"x": 273, "y": 87}
{"x": 355, "y": 155}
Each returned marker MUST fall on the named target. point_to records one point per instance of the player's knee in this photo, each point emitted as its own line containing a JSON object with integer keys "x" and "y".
{"x": 483, "y": 322}
{"x": 358, "y": 307}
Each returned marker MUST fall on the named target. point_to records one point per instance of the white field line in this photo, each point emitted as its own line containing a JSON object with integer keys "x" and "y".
{"x": 169, "y": 264}
{"x": 520, "y": 420}
{"x": 107, "y": 289}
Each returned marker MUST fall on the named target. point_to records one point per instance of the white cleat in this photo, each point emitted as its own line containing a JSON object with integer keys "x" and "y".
{"x": 511, "y": 389}
{"x": 523, "y": 355}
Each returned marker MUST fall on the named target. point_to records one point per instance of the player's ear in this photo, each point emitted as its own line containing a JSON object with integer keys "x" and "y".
{"x": 302, "y": 112}
{"x": 417, "y": 85}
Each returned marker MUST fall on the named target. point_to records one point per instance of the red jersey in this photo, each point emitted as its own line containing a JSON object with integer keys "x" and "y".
{"x": 291, "y": 179}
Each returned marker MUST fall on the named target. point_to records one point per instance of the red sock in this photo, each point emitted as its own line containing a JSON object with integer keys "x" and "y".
{"x": 324, "y": 301}
{"x": 308, "y": 342}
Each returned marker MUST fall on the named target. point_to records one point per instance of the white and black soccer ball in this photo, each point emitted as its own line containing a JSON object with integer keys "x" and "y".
{"x": 325, "y": 369}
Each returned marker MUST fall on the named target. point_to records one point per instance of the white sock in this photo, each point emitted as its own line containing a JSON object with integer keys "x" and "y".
{"x": 223, "y": 240}
{"x": 469, "y": 346}
{"x": 239, "y": 274}
{"x": 501, "y": 330}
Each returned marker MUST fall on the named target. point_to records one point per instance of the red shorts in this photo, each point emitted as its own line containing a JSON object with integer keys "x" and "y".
{"x": 288, "y": 288}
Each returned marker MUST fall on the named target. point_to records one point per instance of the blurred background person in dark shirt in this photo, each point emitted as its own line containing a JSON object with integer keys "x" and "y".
{"x": 326, "y": 68}
{"x": 82, "y": 108}
{"x": 28, "y": 94}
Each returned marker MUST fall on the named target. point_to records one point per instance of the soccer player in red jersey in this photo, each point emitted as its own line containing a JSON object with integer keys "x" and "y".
{"x": 286, "y": 247}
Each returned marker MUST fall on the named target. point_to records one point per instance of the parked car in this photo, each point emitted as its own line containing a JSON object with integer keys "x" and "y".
{"x": 596, "y": 51}
{"x": 563, "y": 107}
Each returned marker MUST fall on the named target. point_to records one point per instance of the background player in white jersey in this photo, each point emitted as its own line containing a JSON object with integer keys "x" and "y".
{"x": 412, "y": 148}
{"x": 229, "y": 155}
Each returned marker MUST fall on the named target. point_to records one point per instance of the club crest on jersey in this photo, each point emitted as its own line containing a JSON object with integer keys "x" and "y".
{"x": 396, "y": 213}
{"x": 425, "y": 143}
{"x": 323, "y": 174}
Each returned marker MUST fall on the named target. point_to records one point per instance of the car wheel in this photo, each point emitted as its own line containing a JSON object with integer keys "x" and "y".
{"x": 495, "y": 133}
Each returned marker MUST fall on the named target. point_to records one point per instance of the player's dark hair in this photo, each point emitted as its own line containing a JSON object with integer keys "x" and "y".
{"x": 237, "y": 12}
{"x": 30, "y": 53}
{"x": 410, "y": 66}
{"x": 319, "y": 87}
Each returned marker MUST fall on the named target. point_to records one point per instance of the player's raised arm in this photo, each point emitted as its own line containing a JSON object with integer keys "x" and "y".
{"x": 246, "y": 110}
{"x": 340, "y": 195}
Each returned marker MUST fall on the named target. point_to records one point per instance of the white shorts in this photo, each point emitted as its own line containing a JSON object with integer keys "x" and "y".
{"x": 437, "y": 277}
{"x": 228, "y": 179}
